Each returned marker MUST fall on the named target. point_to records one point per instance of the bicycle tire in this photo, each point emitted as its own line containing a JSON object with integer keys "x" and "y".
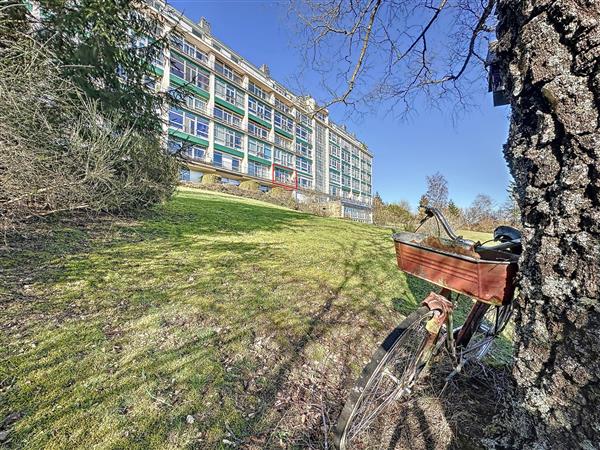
{"x": 411, "y": 331}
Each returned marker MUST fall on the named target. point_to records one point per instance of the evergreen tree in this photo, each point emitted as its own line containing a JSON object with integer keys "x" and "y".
{"x": 106, "y": 48}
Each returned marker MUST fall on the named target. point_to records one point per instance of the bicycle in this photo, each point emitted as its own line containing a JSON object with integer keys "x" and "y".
{"x": 486, "y": 274}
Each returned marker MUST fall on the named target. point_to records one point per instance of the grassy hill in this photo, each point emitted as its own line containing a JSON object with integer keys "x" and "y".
{"x": 213, "y": 321}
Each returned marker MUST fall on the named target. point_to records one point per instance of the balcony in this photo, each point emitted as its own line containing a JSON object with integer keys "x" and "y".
{"x": 194, "y": 155}
{"x": 361, "y": 202}
{"x": 227, "y": 73}
{"x": 226, "y": 165}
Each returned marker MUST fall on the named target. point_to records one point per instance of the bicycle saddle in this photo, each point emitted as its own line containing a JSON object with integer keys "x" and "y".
{"x": 505, "y": 233}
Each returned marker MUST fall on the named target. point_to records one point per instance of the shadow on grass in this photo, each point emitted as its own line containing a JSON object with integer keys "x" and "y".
{"x": 115, "y": 332}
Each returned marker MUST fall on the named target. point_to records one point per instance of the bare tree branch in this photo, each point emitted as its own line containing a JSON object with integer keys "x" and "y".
{"x": 409, "y": 36}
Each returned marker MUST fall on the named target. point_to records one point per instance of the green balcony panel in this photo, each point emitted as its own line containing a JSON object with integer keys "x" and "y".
{"x": 190, "y": 60}
{"x": 231, "y": 151}
{"x": 259, "y": 121}
{"x": 226, "y": 104}
{"x": 284, "y": 133}
{"x": 188, "y": 137}
{"x": 259, "y": 159}
{"x": 189, "y": 86}
{"x": 303, "y": 140}
{"x": 157, "y": 70}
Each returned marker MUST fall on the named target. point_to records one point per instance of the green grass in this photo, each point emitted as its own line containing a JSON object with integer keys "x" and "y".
{"x": 476, "y": 235}
{"x": 247, "y": 317}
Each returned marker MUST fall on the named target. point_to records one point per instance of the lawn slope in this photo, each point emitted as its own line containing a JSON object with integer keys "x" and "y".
{"x": 213, "y": 321}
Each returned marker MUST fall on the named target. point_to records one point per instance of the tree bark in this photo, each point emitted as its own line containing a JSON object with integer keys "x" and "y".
{"x": 550, "y": 53}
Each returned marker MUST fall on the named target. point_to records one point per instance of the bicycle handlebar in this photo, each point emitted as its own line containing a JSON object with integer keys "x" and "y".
{"x": 431, "y": 211}
{"x": 434, "y": 212}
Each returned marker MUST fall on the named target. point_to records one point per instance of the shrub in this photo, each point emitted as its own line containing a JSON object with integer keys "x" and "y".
{"x": 211, "y": 178}
{"x": 249, "y": 185}
{"x": 60, "y": 153}
{"x": 279, "y": 192}
{"x": 283, "y": 197}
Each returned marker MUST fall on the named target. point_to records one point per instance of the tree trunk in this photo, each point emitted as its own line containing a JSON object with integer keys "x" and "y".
{"x": 550, "y": 53}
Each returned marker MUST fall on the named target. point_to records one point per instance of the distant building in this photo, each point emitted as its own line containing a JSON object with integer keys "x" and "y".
{"x": 241, "y": 124}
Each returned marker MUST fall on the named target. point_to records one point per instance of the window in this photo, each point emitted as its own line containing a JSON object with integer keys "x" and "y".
{"x": 228, "y": 138}
{"x": 282, "y": 106}
{"x": 226, "y": 161}
{"x": 176, "y": 118}
{"x": 355, "y": 184}
{"x": 345, "y": 156}
{"x": 188, "y": 48}
{"x": 345, "y": 180}
{"x": 334, "y": 177}
{"x": 321, "y": 116}
{"x": 305, "y": 183}
{"x": 188, "y": 122}
{"x": 143, "y": 47}
{"x": 304, "y": 119}
{"x": 150, "y": 83}
{"x": 189, "y": 72}
{"x": 227, "y": 72}
{"x": 255, "y": 90}
{"x": 303, "y": 164}
{"x": 334, "y": 150}
{"x": 174, "y": 145}
{"x": 334, "y": 190}
{"x": 304, "y": 149}
{"x": 283, "y": 142}
{"x": 334, "y": 163}
{"x": 283, "y": 122}
{"x": 195, "y": 103}
{"x": 184, "y": 174}
{"x": 345, "y": 168}
{"x": 195, "y": 152}
{"x": 226, "y": 116}
{"x": 283, "y": 176}
{"x": 334, "y": 138}
{"x": 302, "y": 133}
{"x": 258, "y": 148}
{"x": 258, "y": 170}
{"x": 258, "y": 131}
{"x": 284, "y": 158}
{"x": 259, "y": 109}
{"x": 229, "y": 93}
{"x": 355, "y": 172}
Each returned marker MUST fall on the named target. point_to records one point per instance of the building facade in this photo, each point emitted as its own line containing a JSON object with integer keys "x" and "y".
{"x": 237, "y": 122}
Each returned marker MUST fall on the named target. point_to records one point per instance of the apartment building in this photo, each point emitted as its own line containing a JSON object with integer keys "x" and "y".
{"x": 237, "y": 122}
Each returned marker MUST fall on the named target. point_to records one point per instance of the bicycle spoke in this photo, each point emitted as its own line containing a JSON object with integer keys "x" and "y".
{"x": 395, "y": 377}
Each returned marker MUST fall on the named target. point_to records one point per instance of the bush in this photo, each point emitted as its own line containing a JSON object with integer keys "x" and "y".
{"x": 283, "y": 197}
{"x": 249, "y": 185}
{"x": 211, "y": 178}
{"x": 59, "y": 153}
{"x": 279, "y": 192}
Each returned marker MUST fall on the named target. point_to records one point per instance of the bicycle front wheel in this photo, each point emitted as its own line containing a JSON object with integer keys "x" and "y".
{"x": 387, "y": 379}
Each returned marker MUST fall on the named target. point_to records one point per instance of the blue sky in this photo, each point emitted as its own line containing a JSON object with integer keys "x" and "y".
{"x": 468, "y": 150}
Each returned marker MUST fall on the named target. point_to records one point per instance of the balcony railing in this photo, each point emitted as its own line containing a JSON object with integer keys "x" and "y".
{"x": 357, "y": 202}
{"x": 229, "y": 167}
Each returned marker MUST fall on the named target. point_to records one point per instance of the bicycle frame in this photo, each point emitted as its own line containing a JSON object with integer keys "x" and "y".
{"x": 456, "y": 339}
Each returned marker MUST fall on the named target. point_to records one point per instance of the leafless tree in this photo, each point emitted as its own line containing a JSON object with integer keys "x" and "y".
{"x": 437, "y": 191}
{"x": 548, "y": 59}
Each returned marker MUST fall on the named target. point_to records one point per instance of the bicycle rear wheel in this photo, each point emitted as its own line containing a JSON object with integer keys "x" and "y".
{"x": 486, "y": 334}
{"x": 388, "y": 378}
